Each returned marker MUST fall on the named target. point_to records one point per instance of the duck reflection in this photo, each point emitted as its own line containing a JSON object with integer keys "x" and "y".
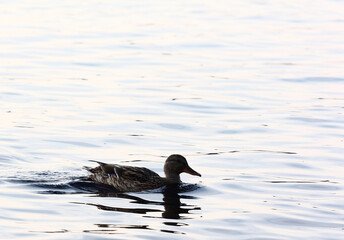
{"x": 123, "y": 228}
{"x": 172, "y": 204}
{"x": 173, "y": 207}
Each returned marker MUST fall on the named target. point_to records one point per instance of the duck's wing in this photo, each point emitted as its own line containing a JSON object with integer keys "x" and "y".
{"x": 134, "y": 174}
{"x": 128, "y": 173}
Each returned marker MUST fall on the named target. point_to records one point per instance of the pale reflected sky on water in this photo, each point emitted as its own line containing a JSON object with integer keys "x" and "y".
{"x": 250, "y": 92}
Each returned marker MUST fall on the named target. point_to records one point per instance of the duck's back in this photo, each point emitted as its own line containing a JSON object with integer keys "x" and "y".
{"x": 127, "y": 178}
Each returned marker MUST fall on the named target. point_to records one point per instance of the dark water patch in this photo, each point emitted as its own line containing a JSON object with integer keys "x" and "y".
{"x": 171, "y": 231}
{"x": 135, "y": 199}
{"x": 120, "y": 209}
{"x": 103, "y": 225}
{"x": 118, "y": 229}
{"x": 176, "y": 224}
{"x": 113, "y": 228}
{"x": 174, "y": 215}
{"x": 52, "y": 192}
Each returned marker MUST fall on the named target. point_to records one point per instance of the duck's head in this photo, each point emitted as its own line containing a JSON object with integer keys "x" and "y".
{"x": 175, "y": 165}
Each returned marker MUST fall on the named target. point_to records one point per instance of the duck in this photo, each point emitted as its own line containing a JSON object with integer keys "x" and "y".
{"x": 137, "y": 179}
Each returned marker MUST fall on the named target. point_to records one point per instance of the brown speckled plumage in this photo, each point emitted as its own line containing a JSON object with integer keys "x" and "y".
{"x": 135, "y": 179}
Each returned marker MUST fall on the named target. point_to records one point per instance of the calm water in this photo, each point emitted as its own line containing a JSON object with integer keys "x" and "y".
{"x": 251, "y": 92}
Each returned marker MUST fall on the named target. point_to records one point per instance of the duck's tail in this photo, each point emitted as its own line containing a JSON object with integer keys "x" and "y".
{"x": 100, "y": 163}
{"x": 92, "y": 169}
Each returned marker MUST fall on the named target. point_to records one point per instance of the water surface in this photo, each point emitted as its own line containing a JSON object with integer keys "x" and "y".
{"x": 251, "y": 93}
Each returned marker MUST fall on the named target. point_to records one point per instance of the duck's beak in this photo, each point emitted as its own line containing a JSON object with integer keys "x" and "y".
{"x": 189, "y": 170}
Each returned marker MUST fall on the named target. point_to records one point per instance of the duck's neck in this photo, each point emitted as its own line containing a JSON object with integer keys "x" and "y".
{"x": 172, "y": 178}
